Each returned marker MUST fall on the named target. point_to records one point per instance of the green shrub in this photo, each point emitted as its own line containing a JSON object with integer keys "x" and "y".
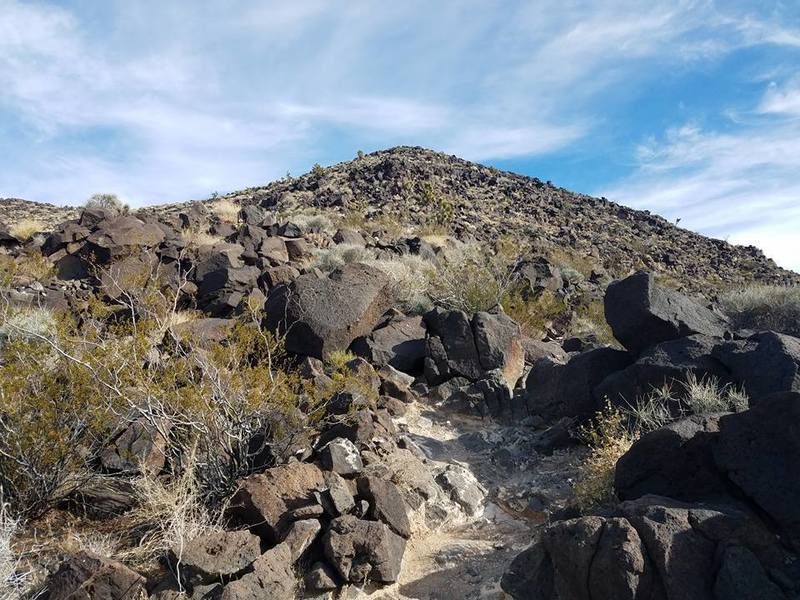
{"x": 608, "y": 438}
{"x": 469, "y": 280}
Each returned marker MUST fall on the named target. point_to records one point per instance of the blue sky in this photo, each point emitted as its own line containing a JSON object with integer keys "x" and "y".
{"x": 690, "y": 109}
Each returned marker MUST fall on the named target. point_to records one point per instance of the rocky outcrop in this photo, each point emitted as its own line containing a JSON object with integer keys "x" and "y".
{"x": 764, "y": 363}
{"x": 642, "y": 314}
{"x": 654, "y": 548}
{"x": 397, "y": 341}
{"x": 556, "y": 390}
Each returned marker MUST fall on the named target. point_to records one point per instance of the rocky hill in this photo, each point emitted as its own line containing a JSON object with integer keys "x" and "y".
{"x": 403, "y": 377}
{"x": 410, "y": 185}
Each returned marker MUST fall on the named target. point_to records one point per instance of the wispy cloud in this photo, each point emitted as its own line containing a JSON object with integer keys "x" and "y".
{"x": 743, "y": 186}
{"x": 161, "y": 102}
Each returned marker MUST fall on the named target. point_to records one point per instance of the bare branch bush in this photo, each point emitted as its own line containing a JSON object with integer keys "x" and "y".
{"x": 69, "y": 390}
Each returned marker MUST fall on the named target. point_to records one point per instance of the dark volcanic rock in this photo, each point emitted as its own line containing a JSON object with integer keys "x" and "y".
{"x": 642, "y": 314}
{"x": 397, "y": 341}
{"x": 666, "y": 363}
{"x": 87, "y": 576}
{"x": 763, "y": 364}
{"x": 320, "y": 315}
{"x": 385, "y": 504}
{"x": 364, "y": 550}
{"x": 759, "y": 450}
{"x": 214, "y": 556}
{"x": 556, "y": 390}
{"x": 265, "y": 501}
{"x": 676, "y": 461}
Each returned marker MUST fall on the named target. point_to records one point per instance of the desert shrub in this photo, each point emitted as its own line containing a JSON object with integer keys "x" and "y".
{"x": 469, "y": 280}
{"x": 317, "y": 171}
{"x": 109, "y": 202}
{"x": 330, "y": 259}
{"x": 63, "y": 394}
{"x": 409, "y": 276}
{"x": 533, "y": 314}
{"x": 764, "y": 307}
{"x": 225, "y": 210}
{"x": 25, "y": 229}
{"x": 313, "y": 223}
{"x": 27, "y": 324}
{"x": 590, "y": 319}
{"x": 24, "y": 268}
{"x": 608, "y": 438}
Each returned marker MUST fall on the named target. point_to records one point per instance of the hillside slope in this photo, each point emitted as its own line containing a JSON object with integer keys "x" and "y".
{"x": 408, "y": 188}
{"x": 406, "y": 183}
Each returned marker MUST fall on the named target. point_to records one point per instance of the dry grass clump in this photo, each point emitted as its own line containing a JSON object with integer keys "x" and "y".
{"x": 409, "y": 276}
{"x": 613, "y": 431}
{"x": 171, "y": 512}
{"x": 197, "y": 238}
{"x": 311, "y": 222}
{"x": 25, "y": 229}
{"x": 694, "y": 396}
{"x": 469, "y": 280}
{"x": 27, "y": 324}
{"x": 762, "y": 307}
{"x": 15, "y": 580}
{"x": 330, "y": 259}
{"x": 225, "y": 210}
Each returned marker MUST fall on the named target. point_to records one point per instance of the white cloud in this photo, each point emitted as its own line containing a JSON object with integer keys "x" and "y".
{"x": 743, "y": 186}
{"x": 783, "y": 99}
{"x": 160, "y": 102}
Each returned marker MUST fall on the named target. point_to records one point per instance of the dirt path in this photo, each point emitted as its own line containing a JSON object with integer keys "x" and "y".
{"x": 466, "y": 557}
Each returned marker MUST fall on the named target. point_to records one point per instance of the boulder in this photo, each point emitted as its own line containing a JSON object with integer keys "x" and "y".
{"x": 653, "y": 548}
{"x": 265, "y": 501}
{"x": 214, "y": 556}
{"x": 320, "y": 315}
{"x": 765, "y": 363}
{"x": 351, "y": 237}
{"x": 536, "y": 349}
{"x": 666, "y": 363}
{"x": 462, "y": 488}
{"x": 759, "y": 450}
{"x": 555, "y": 390}
{"x": 87, "y": 576}
{"x": 115, "y": 238}
{"x": 676, "y": 461}
{"x": 642, "y": 314}
{"x": 386, "y": 504}
{"x": 272, "y": 577}
{"x": 321, "y": 577}
{"x": 300, "y": 536}
{"x": 498, "y": 339}
{"x": 458, "y": 346}
{"x": 342, "y": 457}
{"x": 396, "y": 384}
{"x": 397, "y": 341}
{"x": 363, "y": 551}
{"x": 450, "y": 349}
{"x": 140, "y": 447}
